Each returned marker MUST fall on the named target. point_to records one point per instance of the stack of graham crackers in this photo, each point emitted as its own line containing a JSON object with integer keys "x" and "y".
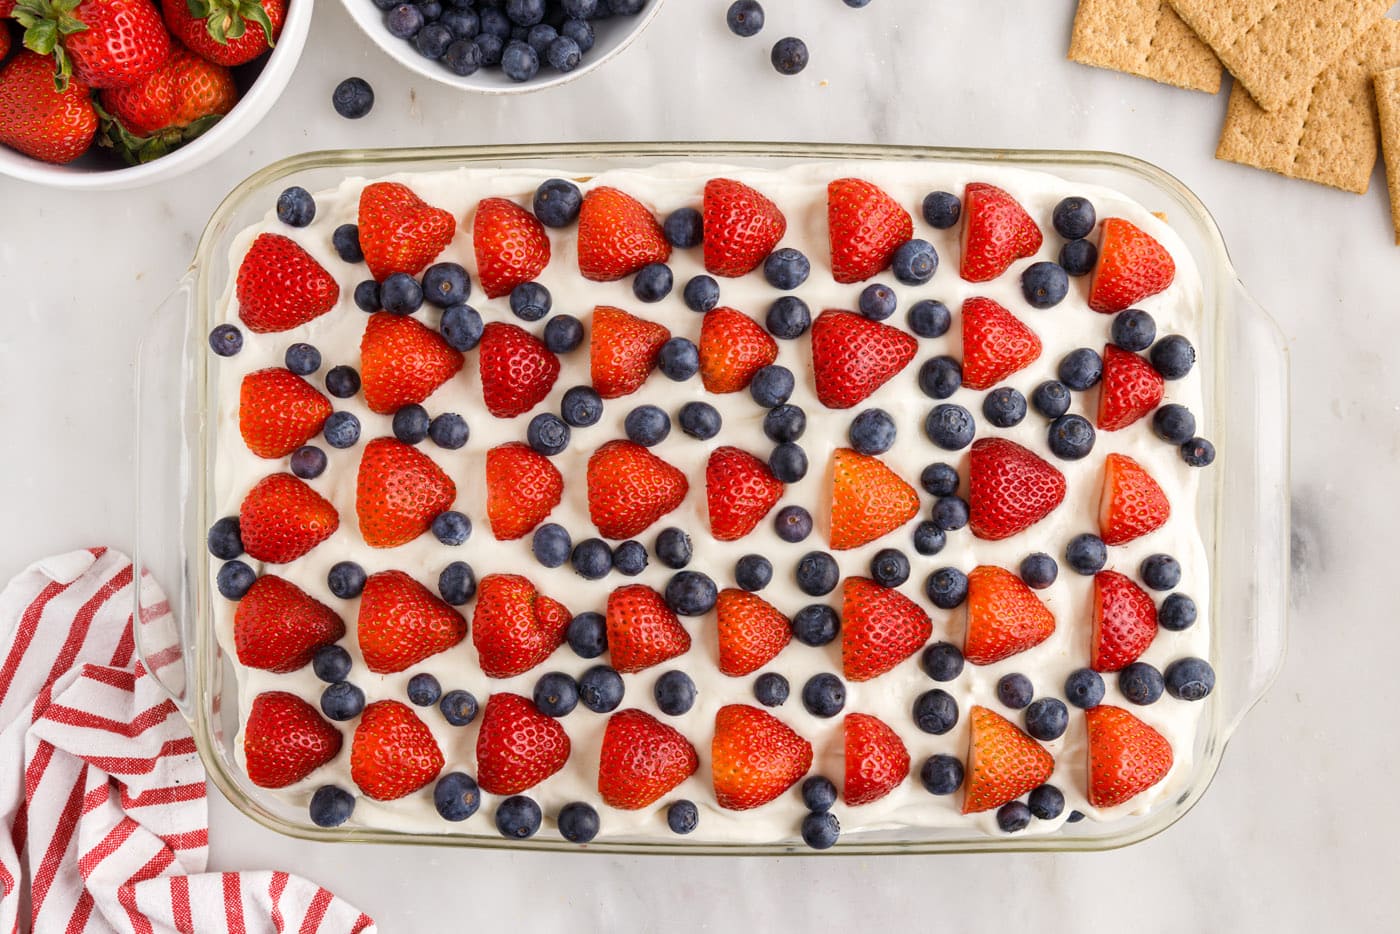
{"x": 1317, "y": 82}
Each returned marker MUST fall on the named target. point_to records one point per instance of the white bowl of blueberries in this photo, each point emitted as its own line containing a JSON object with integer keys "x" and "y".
{"x": 502, "y": 46}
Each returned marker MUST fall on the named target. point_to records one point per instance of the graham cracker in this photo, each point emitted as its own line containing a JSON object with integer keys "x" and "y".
{"x": 1275, "y": 48}
{"x": 1328, "y": 133}
{"x": 1144, "y": 38}
{"x": 1388, "y": 104}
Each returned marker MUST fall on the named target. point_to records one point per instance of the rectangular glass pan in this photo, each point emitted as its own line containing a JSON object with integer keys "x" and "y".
{"x": 1243, "y": 512}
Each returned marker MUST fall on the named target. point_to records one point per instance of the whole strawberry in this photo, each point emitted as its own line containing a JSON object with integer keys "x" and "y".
{"x": 641, "y": 760}
{"x": 102, "y": 43}
{"x": 285, "y": 740}
{"x": 402, "y": 362}
{"x": 279, "y": 411}
{"x": 398, "y": 493}
{"x": 225, "y": 32}
{"x": 515, "y": 627}
{"x": 399, "y": 231}
{"x": 39, "y": 121}
{"x": 401, "y": 622}
{"x": 517, "y": 747}
{"x": 278, "y": 626}
{"x": 280, "y": 286}
{"x": 172, "y": 105}
{"x": 282, "y": 518}
{"x": 393, "y": 753}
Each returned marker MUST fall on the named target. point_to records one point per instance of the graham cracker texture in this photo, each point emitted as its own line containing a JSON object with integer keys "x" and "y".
{"x": 1275, "y": 48}
{"x": 1388, "y": 104}
{"x": 1144, "y": 38}
{"x": 1326, "y": 134}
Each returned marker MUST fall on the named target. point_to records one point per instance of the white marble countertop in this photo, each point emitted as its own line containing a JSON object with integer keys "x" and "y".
{"x": 1297, "y": 832}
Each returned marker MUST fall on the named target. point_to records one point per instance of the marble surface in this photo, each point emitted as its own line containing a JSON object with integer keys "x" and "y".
{"x": 1297, "y": 831}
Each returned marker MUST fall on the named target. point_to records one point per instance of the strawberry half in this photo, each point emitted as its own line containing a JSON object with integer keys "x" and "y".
{"x": 865, "y": 226}
{"x": 510, "y": 244}
{"x": 517, "y": 747}
{"x": 617, "y": 235}
{"x": 995, "y": 344}
{"x": 1131, "y": 503}
{"x": 402, "y": 362}
{"x": 622, "y": 351}
{"x": 517, "y": 370}
{"x": 401, "y": 622}
{"x": 1003, "y": 763}
{"x": 515, "y": 627}
{"x": 1011, "y": 489}
{"x": 739, "y": 491}
{"x": 742, "y": 226}
{"x": 751, "y": 632}
{"x": 629, "y": 488}
{"x": 522, "y": 489}
{"x": 1132, "y": 265}
{"x": 398, "y": 493}
{"x": 279, "y": 411}
{"x": 285, "y": 740}
{"x": 282, "y": 519}
{"x": 996, "y": 232}
{"x": 393, "y": 753}
{"x": 281, "y": 287}
{"x": 642, "y": 759}
{"x": 1126, "y": 756}
{"x": 399, "y": 231}
{"x": 278, "y": 627}
{"x": 853, "y": 356}
{"x": 1131, "y": 388}
{"x": 1124, "y": 623}
{"x": 868, "y": 499}
{"x": 1004, "y": 616}
{"x": 642, "y": 630}
{"x": 876, "y": 759}
{"x": 754, "y": 757}
{"x": 733, "y": 347}
{"x": 880, "y": 627}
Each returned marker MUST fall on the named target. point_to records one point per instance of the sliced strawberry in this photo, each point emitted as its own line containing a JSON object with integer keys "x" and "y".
{"x": 398, "y": 493}
{"x": 739, "y": 491}
{"x": 751, "y": 632}
{"x": 995, "y": 344}
{"x": 876, "y": 759}
{"x": 622, "y": 351}
{"x": 517, "y": 370}
{"x": 1126, "y": 756}
{"x": 754, "y": 757}
{"x": 278, "y": 626}
{"x": 642, "y": 630}
{"x": 617, "y": 235}
{"x": 742, "y": 226}
{"x": 511, "y": 246}
{"x": 1011, "y": 489}
{"x": 868, "y": 499}
{"x": 399, "y": 231}
{"x": 401, "y": 622}
{"x": 1004, "y": 616}
{"x": 880, "y": 627}
{"x": 1003, "y": 763}
{"x": 641, "y": 760}
{"x": 282, "y": 519}
{"x": 865, "y": 226}
{"x": 1131, "y": 389}
{"x": 1131, "y": 503}
{"x": 997, "y": 231}
{"x": 515, "y": 627}
{"x": 279, "y": 411}
{"x": 281, "y": 287}
{"x": 629, "y": 488}
{"x": 1132, "y": 265}
{"x": 853, "y": 356}
{"x": 517, "y": 747}
{"x": 1125, "y": 622}
{"x": 733, "y": 347}
{"x": 285, "y": 740}
{"x": 522, "y": 489}
{"x": 393, "y": 753}
{"x": 402, "y": 362}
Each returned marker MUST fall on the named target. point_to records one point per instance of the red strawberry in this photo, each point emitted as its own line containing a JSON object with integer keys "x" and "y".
{"x": 1126, "y": 756}
{"x": 402, "y": 362}
{"x": 868, "y": 500}
{"x": 1011, "y": 489}
{"x": 1132, "y": 266}
{"x": 1125, "y": 622}
{"x": 518, "y": 747}
{"x": 876, "y": 760}
{"x": 1003, "y": 763}
{"x": 401, "y": 622}
{"x": 754, "y": 757}
{"x": 641, "y": 760}
{"x": 751, "y": 632}
{"x": 399, "y": 231}
{"x": 853, "y": 356}
{"x": 226, "y": 32}
{"x": 169, "y": 107}
{"x": 629, "y": 488}
{"x": 996, "y": 232}
{"x": 622, "y": 351}
{"x": 617, "y": 236}
{"x": 995, "y": 344}
{"x": 398, "y": 493}
{"x": 517, "y": 370}
{"x": 285, "y": 739}
{"x": 39, "y": 121}
{"x": 522, "y": 488}
{"x": 393, "y": 753}
{"x": 880, "y": 627}
{"x": 279, "y": 411}
{"x": 742, "y": 226}
{"x": 739, "y": 491}
{"x": 282, "y": 519}
{"x": 1131, "y": 503}
{"x": 1131, "y": 388}
{"x": 101, "y": 43}
{"x": 511, "y": 246}
{"x": 281, "y": 287}
{"x": 733, "y": 347}
{"x": 515, "y": 627}
{"x": 642, "y": 630}
{"x": 1004, "y": 616}
{"x": 278, "y": 627}
{"x": 865, "y": 227}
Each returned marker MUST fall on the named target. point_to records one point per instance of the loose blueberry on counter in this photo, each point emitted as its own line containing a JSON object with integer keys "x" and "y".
{"x": 331, "y": 806}
{"x": 815, "y": 625}
{"x": 1013, "y": 816}
{"x": 452, "y": 528}
{"x": 915, "y": 262}
{"x": 788, "y": 318}
{"x": 424, "y": 690}
{"x": 342, "y": 701}
{"x": 673, "y": 548}
{"x": 630, "y": 558}
{"x": 1051, "y": 398}
{"x": 519, "y": 61}
{"x": 1084, "y": 688}
{"x": 753, "y": 572}
{"x": 941, "y": 774}
{"x": 346, "y": 580}
{"x": 518, "y": 816}
{"x": 1081, "y": 369}
{"x": 745, "y": 18}
{"x": 547, "y": 434}
{"x": 789, "y": 55}
{"x": 445, "y": 285}
{"x": 578, "y": 822}
{"x": 457, "y": 583}
{"x": 432, "y": 41}
{"x": 1174, "y": 423}
{"x": 600, "y": 689}
{"x": 950, "y": 513}
{"x": 690, "y": 593}
{"x": 940, "y": 479}
{"x": 1160, "y": 572}
{"x": 674, "y": 693}
{"x": 1047, "y": 719}
{"x": 449, "y": 431}
{"x": 1176, "y": 613}
{"x": 456, "y": 796}
{"x": 331, "y": 664}
{"x": 940, "y": 377}
{"x": 770, "y": 689}
{"x": 929, "y": 539}
{"x": 1015, "y": 691}
{"x": 308, "y": 462}
{"x": 582, "y": 406}
{"x": 587, "y": 635}
{"x": 458, "y": 707}
{"x": 786, "y": 269}
{"x": 946, "y": 588}
{"x": 302, "y": 359}
{"x": 872, "y": 432}
{"x": 685, "y": 228}
{"x": 1173, "y": 356}
{"x": 1078, "y": 257}
{"x": 889, "y": 567}
{"x": 1133, "y": 330}
{"x": 935, "y": 711}
{"x": 1044, "y": 285}
{"x": 225, "y": 540}
{"x": 942, "y": 209}
{"x": 1140, "y": 683}
{"x": 1039, "y": 570}
{"x": 820, "y": 831}
{"x": 410, "y": 424}
{"x": 557, "y": 202}
{"x": 683, "y": 817}
{"x": 353, "y": 98}
{"x": 701, "y": 294}
{"x": 877, "y": 301}
{"x": 652, "y": 283}
{"x": 1198, "y": 452}
{"x": 551, "y": 545}
{"x": 784, "y": 423}
{"x": 591, "y": 559}
{"x": 793, "y": 524}
{"x": 401, "y": 294}
{"x": 788, "y": 462}
{"x": 679, "y": 359}
{"x": 818, "y": 794}
{"x": 1189, "y": 679}
{"x": 817, "y": 573}
{"x": 1046, "y": 802}
{"x": 1074, "y": 218}
{"x": 929, "y": 318}
{"x": 234, "y": 579}
{"x": 556, "y": 694}
{"x": 225, "y": 340}
{"x": 367, "y": 296}
{"x": 824, "y": 695}
{"x": 296, "y": 207}
{"x": 1086, "y": 554}
{"x": 461, "y": 327}
{"x": 530, "y": 301}
{"x": 647, "y": 425}
{"x": 700, "y": 420}
{"x": 772, "y": 385}
{"x": 1071, "y": 437}
{"x": 950, "y": 426}
{"x": 1004, "y": 407}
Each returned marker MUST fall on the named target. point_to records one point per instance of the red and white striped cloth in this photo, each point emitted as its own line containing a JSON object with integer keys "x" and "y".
{"x": 101, "y": 791}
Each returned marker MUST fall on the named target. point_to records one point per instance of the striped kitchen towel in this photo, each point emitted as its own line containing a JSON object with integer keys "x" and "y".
{"x": 101, "y": 791}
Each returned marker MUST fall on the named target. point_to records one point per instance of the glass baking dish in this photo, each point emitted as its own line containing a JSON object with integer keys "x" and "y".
{"x": 1244, "y": 504}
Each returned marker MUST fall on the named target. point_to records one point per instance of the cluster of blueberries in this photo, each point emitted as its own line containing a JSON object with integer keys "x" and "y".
{"x": 789, "y": 55}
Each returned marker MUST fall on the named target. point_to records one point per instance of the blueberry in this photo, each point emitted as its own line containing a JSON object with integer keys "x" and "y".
{"x": 788, "y": 462}
{"x": 929, "y": 318}
{"x": 1081, "y": 369}
{"x": 1044, "y": 285}
{"x": 950, "y": 513}
{"x": 690, "y": 593}
{"x": 224, "y": 540}
{"x": 551, "y": 545}
{"x": 684, "y": 228}
{"x": 647, "y": 425}
{"x": 942, "y": 661}
{"x": 889, "y": 567}
{"x": 683, "y": 817}
{"x": 494, "y": 22}
{"x": 457, "y": 583}
{"x": 452, "y": 528}
{"x": 1160, "y": 572}
{"x": 519, "y": 62}
{"x": 445, "y": 285}
{"x": 540, "y": 36}
{"x": 579, "y": 9}
{"x": 784, "y": 423}
{"x": 753, "y": 572}
{"x": 679, "y": 359}
{"x": 410, "y": 424}
{"x": 946, "y": 588}
{"x": 225, "y": 340}
{"x": 587, "y": 635}
{"x": 1084, "y": 688}
{"x": 600, "y": 689}
{"x": 1134, "y": 330}
{"x": 563, "y": 334}
{"x": 367, "y": 296}
{"x": 935, "y": 711}
{"x": 940, "y": 377}
{"x": 652, "y": 282}
{"x": 591, "y": 559}
{"x": 1086, "y": 554}
{"x": 1176, "y": 613}
{"x": 582, "y": 406}
{"x": 701, "y": 294}
{"x": 1173, "y": 356}
{"x": 820, "y": 831}
{"x": 1140, "y": 683}
{"x": 786, "y": 269}
{"x": 449, "y": 430}
{"x": 1047, "y": 719}
{"x": 673, "y": 548}
{"x": 432, "y": 41}
{"x": 789, "y": 55}
{"x": 578, "y": 822}
{"x": 1004, "y": 407}
{"x": 1198, "y": 452}
{"x": 950, "y": 426}
{"x": 234, "y": 579}
{"x": 431, "y": 9}
{"x": 401, "y": 294}
{"x": 331, "y": 663}
{"x": 1074, "y": 817}
{"x": 424, "y": 690}
{"x": 1013, "y": 816}
{"x": 1074, "y": 218}
{"x": 346, "y": 579}
{"x": 942, "y": 209}
{"x": 525, "y": 12}
{"x": 1039, "y": 570}
{"x": 1189, "y": 679}
{"x": 872, "y": 432}
{"x": 296, "y": 207}
{"x": 818, "y": 794}
{"x": 464, "y": 23}
{"x": 456, "y": 796}
{"x": 939, "y": 479}
{"x": 490, "y": 47}
{"x": 547, "y": 434}
{"x": 1015, "y": 690}
{"x": 772, "y": 385}
{"x": 557, "y": 201}
{"x": 674, "y": 692}
{"x": 1051, "y": 398}
{"x": 929, "y": 539}
{"x": 699, "y": 420}
{"x": 914, "y": 262}
{"x": 458, "y": 707}
{"x": 815, "y": 625}
{"x": 1174, "y": 423}
{"x": 817, "y": 573}
{"x": 788, "y": 318}
{"x": 941, "y": 774}
{"x": 1071, "y": 437}
{"x": 518, "y": 816}
{"x": 331, "y": 806}
{"x": 556, "y": 694}
{"x": 530, "y": 301}
{"x": 745, "y": 18}
{"x": 1046, "y": 802}
{"x": 630, "y": 558}
{"x": 1077, "y": 257}
{"x": 824, "y": 695}
{"x": 877, "y": 301}
{"x": 342, "y": 701}
{"x": 463, "y": 56}
{"x": 353, "y": 98}
{"x": 302, "y": 359}
{"x": 461, "y": 327}
{"x": 770, "y": 689}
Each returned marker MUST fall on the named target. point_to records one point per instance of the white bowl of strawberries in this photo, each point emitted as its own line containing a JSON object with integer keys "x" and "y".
{"x": 120, "y": 93}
